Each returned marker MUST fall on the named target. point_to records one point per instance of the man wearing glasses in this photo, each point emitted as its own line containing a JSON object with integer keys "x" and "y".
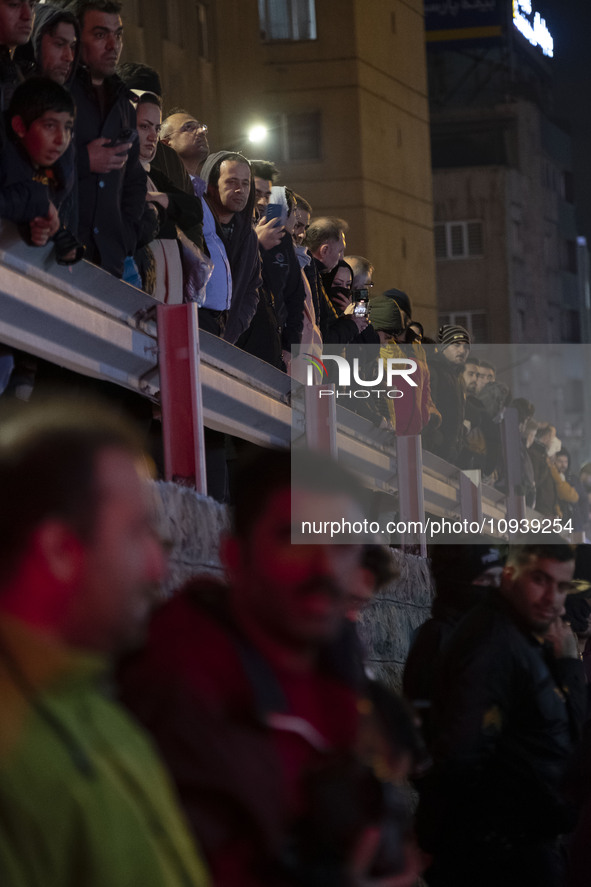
{"x": 508, "y": 709}
{"x": 188, "y": 137}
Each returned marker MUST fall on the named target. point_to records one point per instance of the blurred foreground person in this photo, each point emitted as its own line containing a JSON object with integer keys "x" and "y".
{"x": 83, "y": 799}
{"x": 240, "y": 687}
{"x": 508, "y": 710}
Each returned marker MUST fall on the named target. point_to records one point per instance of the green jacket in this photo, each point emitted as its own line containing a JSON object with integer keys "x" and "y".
{"x": 84, "y": 801}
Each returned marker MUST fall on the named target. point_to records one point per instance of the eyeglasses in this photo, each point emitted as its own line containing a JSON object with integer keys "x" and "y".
{"x": 190, "y": 126}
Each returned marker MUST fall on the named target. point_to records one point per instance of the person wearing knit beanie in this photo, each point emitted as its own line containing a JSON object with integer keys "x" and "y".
{"x": 452, "y": 335}
{"x": 400, "y": 297}
{"x": 388, "y": 319}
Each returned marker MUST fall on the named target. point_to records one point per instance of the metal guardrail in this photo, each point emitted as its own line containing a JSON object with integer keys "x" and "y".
{"x": 83, "y": 319}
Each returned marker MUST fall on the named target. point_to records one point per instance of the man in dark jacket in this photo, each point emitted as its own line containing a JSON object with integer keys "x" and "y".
{"x": 231, "y": 197}
{"x": 447, "y": 390}
{"x": 278, "y": 322}
{"x": 461, "y": 574}
{"x": 111, "y": 180}
{"x": 16, "y": 25}
{"x": 325, "y": 240}
{"x": 508, "y": 709}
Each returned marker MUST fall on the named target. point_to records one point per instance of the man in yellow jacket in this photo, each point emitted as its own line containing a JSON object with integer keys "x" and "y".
{"x": 83, "y": 797}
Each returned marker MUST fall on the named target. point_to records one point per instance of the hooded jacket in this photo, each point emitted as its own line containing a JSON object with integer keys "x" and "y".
{"x": 46, "y": 17}
{"x": 243, "y": 255}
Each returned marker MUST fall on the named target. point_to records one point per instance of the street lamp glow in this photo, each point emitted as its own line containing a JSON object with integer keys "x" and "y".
{"x": 257, "y": 134}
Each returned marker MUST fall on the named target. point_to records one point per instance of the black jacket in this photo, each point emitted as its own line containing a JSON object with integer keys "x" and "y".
{"x": 110, "y": 205}
{"x": 447, "y": 392}
{"x": 335, "y": 329}
{"x": 507, "y": 715}
{"x": 546, "y": 498}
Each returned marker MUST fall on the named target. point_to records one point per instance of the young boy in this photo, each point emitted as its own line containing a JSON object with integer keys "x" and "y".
{"x": 40, "y": 121}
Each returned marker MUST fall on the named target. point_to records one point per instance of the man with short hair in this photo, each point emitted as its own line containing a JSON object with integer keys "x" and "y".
{"x": 470, "y": 374}
{"x": 482, "y": 448}
{"x": 111, "y": 180}
{"x": 486, "y": 373}
{"x": 279, "y": 318}
{"x": 362, "y": 272}
{"x": 188, "y": 137}
{"x": 325, "y": 240}
{"x": 447, "y": 391}
{"x": 228, "y": 206}
{"x": 83, "y": 796}
{"x": 238, "y": 682}
{"x": 16, "y": 26}
{"x": 301, "y": 219}
{"x": 508, "y": 711}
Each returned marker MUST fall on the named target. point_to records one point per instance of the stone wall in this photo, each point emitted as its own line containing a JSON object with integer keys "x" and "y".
{"x": 389, "y": 622}
{"x": 192, "y": 526}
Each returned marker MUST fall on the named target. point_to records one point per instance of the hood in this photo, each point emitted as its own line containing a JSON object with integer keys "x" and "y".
{"x": 46, "y": 16}
{"x": 206, "y": 170}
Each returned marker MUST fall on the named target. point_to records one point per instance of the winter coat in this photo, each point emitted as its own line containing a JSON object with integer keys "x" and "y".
{"x": 111, "y": 204}
{"x": 447, "y": 392}
{"x": 507, "y": 716}
{"x": 243, "y": 255}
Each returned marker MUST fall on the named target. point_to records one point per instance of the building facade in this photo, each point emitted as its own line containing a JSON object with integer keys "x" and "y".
{"x": 508, "y": 256}
{"x": 340, "y": 86}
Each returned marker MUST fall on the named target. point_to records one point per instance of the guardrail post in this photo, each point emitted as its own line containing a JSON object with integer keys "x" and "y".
{"x": 411, "y": 499}
{"x": 321, "y": 418}
{"x": 512, "y": 458}
{"x": 471, "y": 495}
{"x": 180, "y": 395}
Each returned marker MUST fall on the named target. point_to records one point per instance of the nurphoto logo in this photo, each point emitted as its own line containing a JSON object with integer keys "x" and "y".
{"x": 349, "y": 372}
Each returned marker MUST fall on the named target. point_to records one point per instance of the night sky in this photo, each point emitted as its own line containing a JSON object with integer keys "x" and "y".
{"x": 569, "y": 22}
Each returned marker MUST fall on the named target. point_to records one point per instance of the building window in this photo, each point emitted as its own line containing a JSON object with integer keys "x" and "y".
{"x": 287, "y": 19}
{"x": 203, "y": 32}
{"x": 458, "y": 240}
{"x": 476, "y": 322}
{"x": 295, "y": 137}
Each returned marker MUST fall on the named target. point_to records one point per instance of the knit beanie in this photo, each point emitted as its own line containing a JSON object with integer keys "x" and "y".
{"x": 401, "y": 299}
{"x": 386, "y": 316}
{"x": 452, "y": 335}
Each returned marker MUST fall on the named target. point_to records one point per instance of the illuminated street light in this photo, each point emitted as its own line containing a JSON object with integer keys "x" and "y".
{"x": 258, "y": 134}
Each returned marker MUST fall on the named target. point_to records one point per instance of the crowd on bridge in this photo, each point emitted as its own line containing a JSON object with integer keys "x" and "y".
{"x": 235, "y": 734}
{"x": 89, "y": 162}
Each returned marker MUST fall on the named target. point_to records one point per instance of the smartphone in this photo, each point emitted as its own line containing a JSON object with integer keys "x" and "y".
{"x": 125, "y": 137}
{"x": 360, "y": 299}
{"x": 273, "y": 211}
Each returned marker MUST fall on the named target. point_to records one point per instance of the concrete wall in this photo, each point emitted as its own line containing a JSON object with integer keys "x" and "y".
{"x": 193, "y": 526}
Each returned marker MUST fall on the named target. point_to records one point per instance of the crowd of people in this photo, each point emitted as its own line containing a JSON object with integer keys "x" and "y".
{"x": 234, "y": 733}
{"x": 90, "y": 162}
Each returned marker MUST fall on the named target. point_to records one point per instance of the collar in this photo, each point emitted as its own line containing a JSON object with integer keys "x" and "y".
{"x": 44, "y": 660}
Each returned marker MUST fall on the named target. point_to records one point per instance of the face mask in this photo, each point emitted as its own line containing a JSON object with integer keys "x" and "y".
{"x": 340, "y": 291}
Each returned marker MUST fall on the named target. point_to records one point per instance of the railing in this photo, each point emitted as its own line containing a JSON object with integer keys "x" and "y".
{"x": 87, "y": 321}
